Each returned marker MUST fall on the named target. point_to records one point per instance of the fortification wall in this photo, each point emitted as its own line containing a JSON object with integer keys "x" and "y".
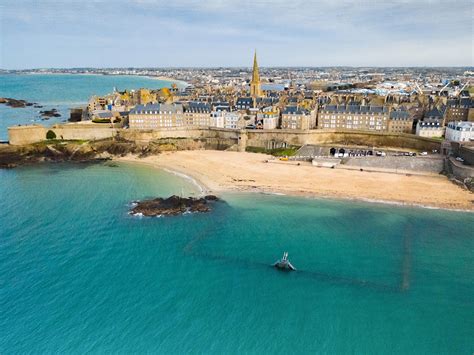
{"x": 261, "y": 139}
{"x": 255, "y": 138}
{"x": 192, "y": 133}
{"x": 433, "y": 165}
{"x": 459, "y": 170}
{"x": 467, "y": 153}
{"x": 21, "y": 135}
{"x": 81, "y": 131}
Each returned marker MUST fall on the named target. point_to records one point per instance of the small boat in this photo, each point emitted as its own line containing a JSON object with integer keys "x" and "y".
{"x": 284, "y": 263}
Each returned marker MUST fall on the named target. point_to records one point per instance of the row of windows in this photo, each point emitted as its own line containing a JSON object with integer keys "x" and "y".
{"x": 360, "y": 114}
{"x": 349, "y": 126}
{"x": 355, "y": 117}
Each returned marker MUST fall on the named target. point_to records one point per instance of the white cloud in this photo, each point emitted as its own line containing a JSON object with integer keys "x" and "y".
{"x": 326, "y": 32}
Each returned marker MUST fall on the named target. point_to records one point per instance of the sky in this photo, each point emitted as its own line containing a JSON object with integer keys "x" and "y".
{"x": 216, "y": 33}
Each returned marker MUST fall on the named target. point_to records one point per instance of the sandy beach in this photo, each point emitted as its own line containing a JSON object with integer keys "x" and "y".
{"x": 219, "y": 171}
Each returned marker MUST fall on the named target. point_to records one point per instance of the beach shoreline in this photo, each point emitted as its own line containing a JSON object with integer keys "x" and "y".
{"x": 248, "y": 173}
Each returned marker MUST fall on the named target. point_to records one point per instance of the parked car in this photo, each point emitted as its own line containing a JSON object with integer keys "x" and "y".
{"x": 460, "y": 159}
{"x": 424, "y": 153}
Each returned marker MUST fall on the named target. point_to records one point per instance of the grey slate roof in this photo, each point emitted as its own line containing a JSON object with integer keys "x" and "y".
{"x": 434, "y": 113}
{"x": 244, "y": 101}
{"x": 198, "y": 107}
{"x": 294, "y": 110}
{"x": 400, "y": 115}
{"x": 355, "y": 109}
{"x": 157, "y": 109}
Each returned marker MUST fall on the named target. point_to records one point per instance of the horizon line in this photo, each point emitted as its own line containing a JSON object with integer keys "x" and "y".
{"x": 241, "y": 67}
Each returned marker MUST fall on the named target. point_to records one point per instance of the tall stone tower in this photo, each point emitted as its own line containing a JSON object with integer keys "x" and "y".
{"x": 255, "y": 89}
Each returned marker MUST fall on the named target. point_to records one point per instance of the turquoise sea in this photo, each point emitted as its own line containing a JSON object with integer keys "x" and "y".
{"x": 60, "y": 91}
{"x": 78, "y": 274}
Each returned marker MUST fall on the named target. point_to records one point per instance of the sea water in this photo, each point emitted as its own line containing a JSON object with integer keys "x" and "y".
{"x": 79, "y": 274}
{"x": 59, "y": 91}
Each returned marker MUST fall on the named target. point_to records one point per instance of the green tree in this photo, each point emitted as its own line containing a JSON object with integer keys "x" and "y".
{"x": 50, "y": 135}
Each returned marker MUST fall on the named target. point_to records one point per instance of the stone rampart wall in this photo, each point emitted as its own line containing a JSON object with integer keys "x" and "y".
{"x": 256, "y": 138}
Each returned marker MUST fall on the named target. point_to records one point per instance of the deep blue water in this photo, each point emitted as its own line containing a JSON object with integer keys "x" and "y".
{"x": 78, "y": 274}
{"x": 61, "y": 92}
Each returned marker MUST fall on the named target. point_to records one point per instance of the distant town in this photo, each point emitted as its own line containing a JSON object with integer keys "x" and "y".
{"x": 428, "y": 102}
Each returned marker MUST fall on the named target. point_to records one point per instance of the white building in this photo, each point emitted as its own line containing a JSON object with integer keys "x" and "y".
{"x": 460, "y": 131}
{"x": 217, "y": 119}
{"x": 268, "y": 118}
{"x": 231, "y": 119}
{"x": 430, "y": 128}
{"x": 225, "y": 119}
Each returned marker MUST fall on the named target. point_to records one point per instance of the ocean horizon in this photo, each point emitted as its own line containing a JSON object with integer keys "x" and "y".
{"x": 60, "y": 91}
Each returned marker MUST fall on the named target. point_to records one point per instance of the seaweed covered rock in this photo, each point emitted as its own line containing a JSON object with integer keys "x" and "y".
{"x": 172, "y": 206}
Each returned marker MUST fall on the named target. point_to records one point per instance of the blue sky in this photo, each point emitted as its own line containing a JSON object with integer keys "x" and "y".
{"x": 172, "y": 33}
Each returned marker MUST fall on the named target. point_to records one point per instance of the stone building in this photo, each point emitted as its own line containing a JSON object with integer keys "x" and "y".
{"x": 155, "y": 116}
{"x": 197, "y": 114}
{"x": 457, "y": 109}
{"x": 400, "y": 121}
{"x": 294, "y": 117}
{"x": 244, "y": 103}
{"x": 354, "y": 117}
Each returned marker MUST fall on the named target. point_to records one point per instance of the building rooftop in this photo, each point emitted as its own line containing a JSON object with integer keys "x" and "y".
{"x": 356, "y": 109}
{"x": 461, "y": 125}
{"x": 156, "y": 109}
{"x": 294, "y": 110}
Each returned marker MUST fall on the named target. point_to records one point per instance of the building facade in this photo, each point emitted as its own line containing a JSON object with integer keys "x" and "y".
{"x": 460, "y": 131}
{"x": 156, "y": 116}
{"x": 430, "y": 128}
{"x": 354, "y": 117}
{"x": 400, "y": 122}
{"x": 197, "y": 114}
{"x": 294, "y": 117}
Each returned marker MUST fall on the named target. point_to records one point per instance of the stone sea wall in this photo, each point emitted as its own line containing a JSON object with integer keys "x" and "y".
{"x": 22, "y": 135}
{"x": 262, "y": 139}
{"x": 459, "y": 170}
{"x": 238, "y": 139}
{"x": 434, "y": 165}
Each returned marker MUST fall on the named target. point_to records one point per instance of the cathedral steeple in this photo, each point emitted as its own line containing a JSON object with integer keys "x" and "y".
{"x": 255, "y": 90}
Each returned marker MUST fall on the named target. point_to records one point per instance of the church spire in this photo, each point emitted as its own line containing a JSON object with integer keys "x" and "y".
{"x": 255, "y": 90}
{"x": 255, "y": 74}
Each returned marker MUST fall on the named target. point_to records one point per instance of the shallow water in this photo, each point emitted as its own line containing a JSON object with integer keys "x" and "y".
{"x": 77, "y": 273}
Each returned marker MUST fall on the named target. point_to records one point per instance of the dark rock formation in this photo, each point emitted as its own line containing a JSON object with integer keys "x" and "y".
{"x": 12, "y": 156}
{"x": 15, "y": 103}
{"x": 57, "y": 151}
{"x": 172, "y": 206}
{"x": 50, "y": 113}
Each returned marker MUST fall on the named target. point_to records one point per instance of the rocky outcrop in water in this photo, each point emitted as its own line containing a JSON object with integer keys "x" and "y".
{"x": 46, "y": 114}
{"x": 15, "y": 102}
{"x": 172, "y": 206}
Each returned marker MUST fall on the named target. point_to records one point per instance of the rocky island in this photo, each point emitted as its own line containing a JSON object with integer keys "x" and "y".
{"x": 15, "y": 102}
{"x": 172, "y": 206}
{"x": 46, "y": 114}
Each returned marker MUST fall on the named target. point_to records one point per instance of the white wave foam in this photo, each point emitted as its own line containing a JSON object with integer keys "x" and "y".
{"x": 202, "y": 190}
